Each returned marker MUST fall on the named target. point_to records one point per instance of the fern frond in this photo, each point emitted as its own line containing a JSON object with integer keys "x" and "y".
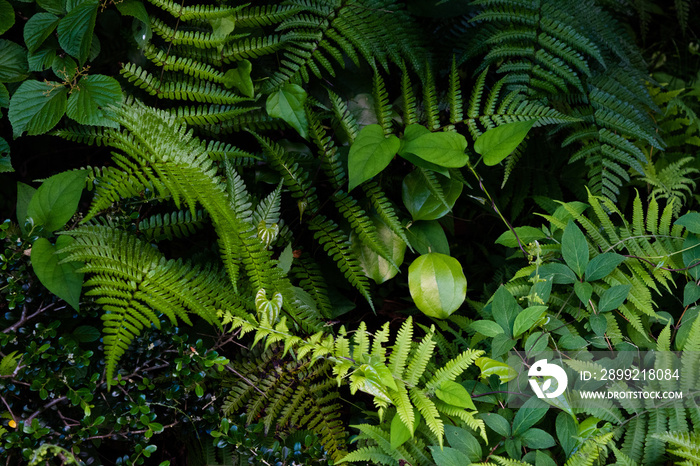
{"x": 177, "y": 224}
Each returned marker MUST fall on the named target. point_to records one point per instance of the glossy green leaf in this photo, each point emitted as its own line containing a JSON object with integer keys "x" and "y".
{"x": 691, "y": 255}
{"x": 566, "y": 432}
{"x": 560, "y": 273}
{"x": 541, "y": 290}
{"x": 437, "y": 284}
{"x": 463, "y": 440}
{"x": 63, "y": 280}
{"x": 448, "y": 456}
{"x": 269, "y": 308}
{"x": 374, "y": 265}
{"x": 13, "y": 62}
{"x": 36, "y": 107}
{"x": 428, "y": 236}
{"x": 94, "y": 94}
{"x": 142, "y": 28}
{"x": 240, "y": 78}
{"x": 370, "y": 153}
{"x": 399, "y": 432}
{"x": 574, "y": 248}
{"x": 42, "y": 59}
{"x": 86, "y": 334}
{"x": 528, "y": 415}
{"x": 56, "y": 7}
{"x": 536, "y": 343}
{"x": 526, "y": 319}
{"x": 75, "y": 30}
{"x": 497, "y": 423}
{"x": 583, "y": 291}
{"x": 526, "y": 235}
{"x": 487, "y": 328}
{"x": 288, "y": 104}
{"x": 498, "y": 143}
{"x": 691, "y": 293}
{"x": 5, "y": 161}
{"x": 7, "y": 16}
{"x": 24, "y": 197}
{"x": 537, "y": 439}
{"x": 501, "y": 344}
{"x": 602, "y": 265}
{"x": 422, "y": 203}
{"x": 38, "y": 28}
{"x": 455, "y": 394}
{"x": 691, "y": 222}
{"x": 505, "y": 309}
{"x": 599, "y": 324}
{"x": 64, "y": 67}
{"x": 613, "y": 297}
{"x": 445, "y": 149}
{"x": 57, "y": 199}
{"x": 491, "y": 367}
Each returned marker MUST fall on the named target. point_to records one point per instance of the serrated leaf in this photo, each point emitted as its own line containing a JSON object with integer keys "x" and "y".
{"x": 240, "y": 78}
{"x": 57, "y": 199}
{"x": 455, "y": 394}
{"x": 574, "y": 248}
{"x": 36, "y": 107}
{"x": 13, "y": 62}
{"x": 613, "y": 297}
{"x": 288, "y": 104}
{"x": 584, "y": 291}
{"x": 445, "y": 149}
{"x": 38, "y": 28}
{"x": 7, "y": 16}
{"x": 526, "y": 319}
{"x": 56, "y": 7}
{"x": 369, "y": 154}
{"x": 64, "y": 67}
{"x": 4, "y": 97}
{"x": 437, "y": 284}
{"x": 498, "y": 143}
{"x": 94, "y": 94}
{"x": 42, "y": 59}
{"x": 75, "y": 30}
{"x": 691, "y": 222}
{"x": 63, "y": 280}
{"x": 602, "y": 265}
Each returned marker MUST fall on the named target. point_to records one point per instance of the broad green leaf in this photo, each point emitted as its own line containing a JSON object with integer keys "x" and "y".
{"x": 286, "y": 258}
{"x": 454, "y": 394}
{"x": 505, "y": 309}
{"x": 542, "y": 459}
{"x": 602, "y": 265}
{"x": 686, "y": 326}
{"x": 526, "y": 235}
{"x": 613, "y": 297}
{"x": 563, "y": 215}
{"x": 42, "y": 59}
{"x": 377, "y": 371}
{"x": 541, "y": 290}
{"x": 487, "y": 328}
{"x": 24, "y": 197}
{"x": 57, "y": 199}
{"x": 445, "y": 149}
{"x": 498, "y": 143}
{"x": 7, "y": 16}
{"x": 584, "y": 291}
{"x": 75, "y": 30}
{"x": 574, "y": 248}
{"x": 691, "y": 222}
{"x": 526, "y": 319}
{"x": 537, "y": 439}
{"x": 240, "y": 78}
{"x": 38, "y": 28}
{"x": 448, "y": 456}
{"x": 599, "y": 324}
{"x": 560, "y": 273}
{"x": 497, "y": 423}
{"x": 491, "y": 367}
{"x": 399, "y": 432}
{"x": 691, "y": 293}
{"x": 691, "y": 255}
{"x": 142, "y": 27}
{"x": 4, "y": 97}
{"x": 422, "y": 203}
{"x": 56, "y": 7}
{"x": 566, "y": 432}
{"x": 374, "y": 265}
{"x": 536, "y": 343}
{"x": 419, "y": 162}
{"x": 528, "y": 415}
{"x": 88, "y": 102}
{"x": 369, "y": 154}
{"x": 63, "y": 280}
{"x": 64, "y": 67}
{"x": 501, "y": 344}
{"x": 13, "y": 62}
{"x": 428, "y": 236}
{"x": 269, "y": 308}
{"x": 572, "y": 342}
{"x": 5, "y": 161}
{"x": 437, "y": 284}
{"x": 462, "y": 440}
{"x": 288, "y": 104}
{"x": 86, "y": 334}
{"x": 36, "y": 107}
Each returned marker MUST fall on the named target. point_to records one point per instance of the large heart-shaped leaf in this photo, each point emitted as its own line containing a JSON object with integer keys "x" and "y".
{"x": 240, "y": 78}
{"x": 288, "y": 104}
{"x": 437, "y": 284}
{"x": 56, "y": 200}
{"x": 445, "y": 149}
{"x": 370, "y": 154}
{"x": 498, "y": 143}
{"x": 63, "y": 280}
